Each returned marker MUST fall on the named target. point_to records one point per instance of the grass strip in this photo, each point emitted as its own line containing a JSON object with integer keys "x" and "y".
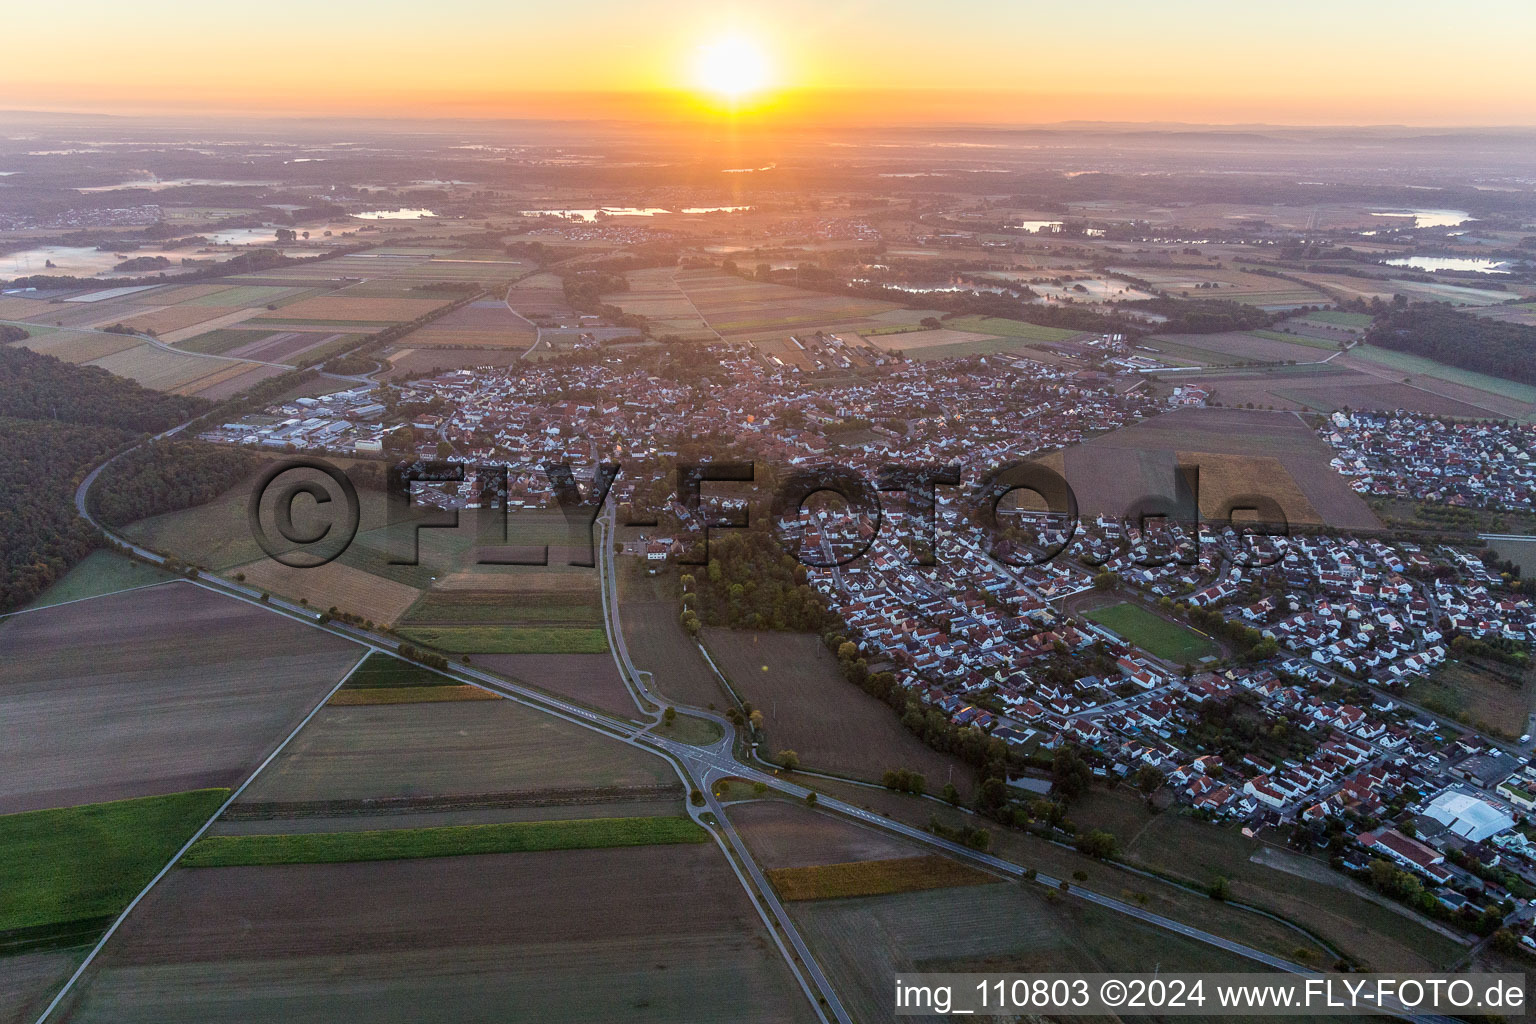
{"x": 446, "y": 841}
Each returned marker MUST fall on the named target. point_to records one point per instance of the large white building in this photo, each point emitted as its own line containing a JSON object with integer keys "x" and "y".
{"x": 1469, "y": 816}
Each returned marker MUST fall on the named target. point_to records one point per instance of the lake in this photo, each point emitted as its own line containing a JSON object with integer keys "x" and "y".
{"x": 400, "y": 214}
{"x": 1427, "y": 218}
{"x": 1477, "y": 264}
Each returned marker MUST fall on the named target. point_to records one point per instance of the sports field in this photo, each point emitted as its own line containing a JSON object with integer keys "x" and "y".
{"x": 1154, "y": 634}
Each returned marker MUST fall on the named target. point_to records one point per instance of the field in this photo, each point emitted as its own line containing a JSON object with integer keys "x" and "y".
{"x": 1173, "y": 643}
{"x": 340, "y": 307}
{"x": 444, "y": 841}
{"x": 334, "y": 585}
{"x": 782, "y": 834}
{"x": 1233, "y": 347}
{"x": 509, "y": 639}
{"x": 1228, "y": 283}
{"x": 151, "y": 691}
{"x": 672, "y": 937}
{"x": 873, "y": 878}
{"x": 412, "y": 362}
{"x": 445, "y": 751}
{"x": 155, "y": 367}
{"x": 80, "y": 864}
{"x": 591, "y": 679}
{"x": 1226, "y": 478}
{"x": 101, "y": 572}
{"x": 1419, "y": 367}
{"x": 808, "y": 707}
{"x": 431, "y": 694}
{"x": 1477, "y": 696}
{"x": 486, "y": 323}
{"x": 1379, "y": 934}
{"x": 657, "y": 642}
{"x": 863, "y": 943}
{"x": 702, "y": 303}
{"x": 1112, "y": 471}
{"x": 29, "y": 980}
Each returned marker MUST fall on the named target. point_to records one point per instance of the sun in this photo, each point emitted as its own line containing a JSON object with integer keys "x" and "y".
{"x": 732, "y": 68}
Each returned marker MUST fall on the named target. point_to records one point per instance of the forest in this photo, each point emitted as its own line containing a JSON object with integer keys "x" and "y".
{"x": 167, "y": 475}
{"x": 56, "y": 422}
{"x": 1436, "y": 331}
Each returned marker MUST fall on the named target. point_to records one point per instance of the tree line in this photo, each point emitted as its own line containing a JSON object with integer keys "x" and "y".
{"x": 1436, "y": 331}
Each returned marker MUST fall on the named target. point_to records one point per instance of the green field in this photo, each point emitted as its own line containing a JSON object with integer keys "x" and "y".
{"x": 380, "y": 671}
{"x": 510, "y": 639}
{"x": 1339, "y": 318}
{"x": 74, "y": 863}
{"x": 1297, "y": 339}
{"x": 448, "y": 841}
{"x": 102, "y": 572}
{"x": 1167, "y": 640}
{"x": 1411, "y": 364}
{"x": 217, "y": 342}
{"x": 1009, "y": 328}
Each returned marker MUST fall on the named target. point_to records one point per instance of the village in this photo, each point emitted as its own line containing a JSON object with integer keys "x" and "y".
{"x": 1333, "y": 629}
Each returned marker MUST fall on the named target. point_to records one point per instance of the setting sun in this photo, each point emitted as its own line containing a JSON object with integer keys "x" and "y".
{"x": 732, "y": 68}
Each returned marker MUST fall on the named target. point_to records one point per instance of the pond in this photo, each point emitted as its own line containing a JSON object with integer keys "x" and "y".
{"x": 1477, "y": 264}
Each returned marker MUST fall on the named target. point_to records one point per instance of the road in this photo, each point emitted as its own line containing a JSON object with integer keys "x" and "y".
{"x": 700, "y": 766}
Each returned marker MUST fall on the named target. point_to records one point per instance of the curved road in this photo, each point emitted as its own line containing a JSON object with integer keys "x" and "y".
{"x": 701, "y": 766}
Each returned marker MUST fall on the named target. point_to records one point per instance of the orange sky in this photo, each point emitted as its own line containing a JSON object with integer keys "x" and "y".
{"x": 1307, "y": 61}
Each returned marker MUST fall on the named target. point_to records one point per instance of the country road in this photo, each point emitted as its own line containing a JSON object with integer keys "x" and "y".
{"x": 701, "y": 767}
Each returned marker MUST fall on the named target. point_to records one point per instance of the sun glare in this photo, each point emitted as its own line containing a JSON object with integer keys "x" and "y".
{"x": 732, "y": 68}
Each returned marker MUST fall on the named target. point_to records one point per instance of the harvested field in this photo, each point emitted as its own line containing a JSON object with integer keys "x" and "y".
{"x": 782, "y": 834}
{"x": 346, "y": 308}
{"x": 166, "y": 689}
{"x": 349, "y": 697}
{"x": 808, "y": 707}
{"x": 863, "y": 943}
{"x": 412, "y": 362}
{"x": 1234, "y": 347}
{"x": 591, "y": 679}
{"x": 226, "y": 318}
{"x": 29, "y": 980}
{"x": 655, "y": 933}
{"x": 174, "y": 318}
{"x": 1225, "y": 478}
{"x": 77, "y": 346}
{"x": 277, "y": 348}
{"x": 333, "y": 585}
{"x": 486, "y": 324}
{"x": 657, "y": 642}
{"x": 443, "y": 841}
{"x": 874, "y": 878}
{"x": 1495, "y": 699}
{"x": 510, "y": 639}
{"x": 916, "y": 341}
{"x": 447, "y": 750}
{"x": 160, "y": 369}
{"x": 230, "y": 386}
{"x": 1112, "y": 471}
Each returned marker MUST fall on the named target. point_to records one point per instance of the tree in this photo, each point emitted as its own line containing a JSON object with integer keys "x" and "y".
{"x": 810, "y": 799}
{"x": 669, "y": 716}
{"x": 788, "y": 760}
{"x": 1096, "y": 843}
{"x": 696, "y": 798}
{"x": 1219, "y": 889}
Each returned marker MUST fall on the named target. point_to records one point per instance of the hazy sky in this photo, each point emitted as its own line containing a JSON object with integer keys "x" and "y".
{"x": 1302, "y": 61}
